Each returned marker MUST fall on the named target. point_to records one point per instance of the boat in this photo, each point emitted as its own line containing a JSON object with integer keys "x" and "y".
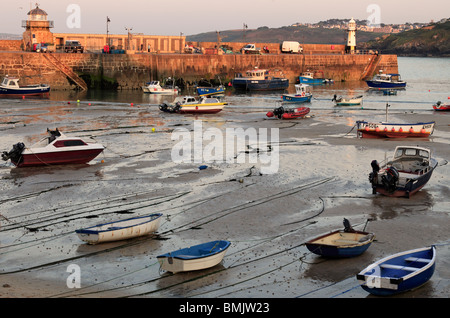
{"x": 441, "y": 107}
{"x": 407, "y": 172}
{"x": 341, "y": 243}
{"x": 288, "y": 113}
{"x": 154, "y": 87}
{"x": 193, "y": 258}
{"x": 208, "y": 91}
{"x": 260, "y": 80}
{"x": 394, "y": 130}
{"x": 386, "y": 81}
{"x": 120, "y": 230}
{"x": 341, "y": 101}
{"x": 192, "y": 105}
{"x": 10, "y": 87}
{"x": 302, "y": 94}
{"x": 56, "y": 149}
{"x": 399, "y": 273}
{"x": 312, "y": 78}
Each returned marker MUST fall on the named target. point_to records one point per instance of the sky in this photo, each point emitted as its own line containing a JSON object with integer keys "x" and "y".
{"x": 189, "y": 17}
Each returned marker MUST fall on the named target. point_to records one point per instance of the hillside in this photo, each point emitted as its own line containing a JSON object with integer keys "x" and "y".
{"x": 432, "y": 40}
{"x": 301, "y": 34}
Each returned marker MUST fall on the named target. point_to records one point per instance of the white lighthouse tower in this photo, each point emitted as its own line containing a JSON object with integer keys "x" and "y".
{"x": 351, "y": 40}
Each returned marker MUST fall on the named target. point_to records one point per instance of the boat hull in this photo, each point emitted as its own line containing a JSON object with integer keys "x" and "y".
{"x": 399, "y": 273}
{"x": 394, "y": 130}
{"x": 441, "y": 107}
{"x": 311, "y": 81}
{"x": 25, "y": 91}
{"x": 201, "y": 109}
{"x": 207, "y": 91}
{"x": 194, "y": 258}
{"x": 34, "y": 159}
{"x": 122, "y": 230}
{"x": 296, "y": 98}
{"x": 260, "y": 85}
{"x": 387, "y": 85}
{"x": 340, "y": 244}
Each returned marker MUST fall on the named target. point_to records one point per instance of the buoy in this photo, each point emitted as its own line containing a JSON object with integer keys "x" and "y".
{"x": 393, "y": 129}
{"x": 422, "y": 131}
{"x": 153, "y": 129}
{"x": 202, "y": 167}
{"x": 68, "y": 103}
{"x": 103, "y": 161}
{"x": 131, "y": 104}
{"x": 377, "y": 129}
{"x": 23, "y": 97}
{"x": 385, "y": 129}
{"x": 400, "y": 130}
{"x": 367, "y": 128}
{"x": 411, "y": 130}
{"x": 78, "y": 100}
{"x": 89, "y": 104}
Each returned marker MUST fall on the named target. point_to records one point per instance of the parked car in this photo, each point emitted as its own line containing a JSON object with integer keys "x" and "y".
{"x": 250, "y": 49}
{"x": 73, "y": 46}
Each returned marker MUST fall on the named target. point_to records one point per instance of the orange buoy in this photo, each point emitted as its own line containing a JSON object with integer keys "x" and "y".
{"x": 393, "y": 129}
{"x": 400, "y": 130}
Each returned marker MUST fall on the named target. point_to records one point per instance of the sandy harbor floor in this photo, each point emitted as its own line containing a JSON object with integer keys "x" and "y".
{"x": 322, "y": 178}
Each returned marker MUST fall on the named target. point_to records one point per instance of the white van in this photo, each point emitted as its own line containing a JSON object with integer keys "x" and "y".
{"x": 291, "y": 47}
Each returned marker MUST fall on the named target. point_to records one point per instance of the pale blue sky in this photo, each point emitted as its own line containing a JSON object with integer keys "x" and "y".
{"x": 197, "y": 16}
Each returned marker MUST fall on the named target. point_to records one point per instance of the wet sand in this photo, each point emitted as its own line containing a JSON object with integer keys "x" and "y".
{"x": 322, "y": 179}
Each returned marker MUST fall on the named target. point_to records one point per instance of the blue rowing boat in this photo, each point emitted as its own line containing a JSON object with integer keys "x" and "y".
{"x": 208, "y": 91}
{"x": 399, "y": 273}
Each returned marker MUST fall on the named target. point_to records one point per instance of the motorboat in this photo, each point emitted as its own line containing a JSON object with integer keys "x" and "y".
{"x": 407, "y": 172}
{"x": 400, "y": 272}
{"x": 260, "y": 80}
{"x": 10, "y": 87}
{"x": 120, "y": 230}
{"x": 351, "y": 101}
{"x": 439, "y": 106}
{"x": 289, "y": 113}
{"x": 341, "y": 243}
{"x": 193, "y": 258}
{"x": 312, "y": 78}
{"x": 192, "y": 105}
{"x": 56, "y": 149}
{"x": 302, "y": 94}
{"x": 386, "y": 81}
{"x": 154, "y": 87}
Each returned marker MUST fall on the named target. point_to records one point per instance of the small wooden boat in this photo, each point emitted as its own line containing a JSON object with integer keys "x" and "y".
{"x": 441, "y": 107}
{"x": 341, "y": 101}
{"x": 288, "y": 113}
{"x": 394, "y": 130}
{"x": 407, "y": 172}
{"x": 191, "y": 105}
{"x": 120, "y": 230}
{"x": 399, "y": 273}
{"x": 10, "y": 87}
{"x": 341, "y": 243}
{"x": 302, "y": 94}
{"x": 58, "y": 149}
{"x": 195, "y": 257}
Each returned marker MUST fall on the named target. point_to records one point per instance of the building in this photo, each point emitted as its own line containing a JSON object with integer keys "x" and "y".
{"x": 37, "y": 29}
{"x": 351, "y": 40}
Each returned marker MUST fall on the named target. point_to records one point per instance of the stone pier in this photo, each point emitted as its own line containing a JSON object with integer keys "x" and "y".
{"x": 130, "y": 71}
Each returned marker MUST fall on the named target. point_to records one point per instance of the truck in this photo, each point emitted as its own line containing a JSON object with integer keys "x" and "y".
{"x": 73, "y": 46}
{"x": 291, "y": 47}
{"x": 250, "y": 49}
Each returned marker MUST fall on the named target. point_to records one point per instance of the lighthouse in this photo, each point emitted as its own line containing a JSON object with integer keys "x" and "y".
{"x": 37, "y": 28}
{"x": 351, "y": 39}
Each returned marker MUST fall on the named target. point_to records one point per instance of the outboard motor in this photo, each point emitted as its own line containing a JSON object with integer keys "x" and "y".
{"x": 15, "y": 153}
{"x": 374, "y": 174}
{"x": 278, "y": 111}
{"x": 390, "y": 179}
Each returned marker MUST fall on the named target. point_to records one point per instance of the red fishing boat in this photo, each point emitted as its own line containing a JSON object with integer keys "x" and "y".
{"x": 290, "y": 113}
{"x": 60, "y": 149}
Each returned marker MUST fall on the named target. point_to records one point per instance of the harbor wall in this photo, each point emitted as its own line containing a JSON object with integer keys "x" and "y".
{"x": 130, "y": 71}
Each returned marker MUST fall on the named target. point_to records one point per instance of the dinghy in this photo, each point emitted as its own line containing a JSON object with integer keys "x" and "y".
{"x": 120, "y": 230}
{"x": 399, "y": 273}
{"x": 289, "y": 113}
{"x": 341, "y": 243}
{"x": 195, "y": 257}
